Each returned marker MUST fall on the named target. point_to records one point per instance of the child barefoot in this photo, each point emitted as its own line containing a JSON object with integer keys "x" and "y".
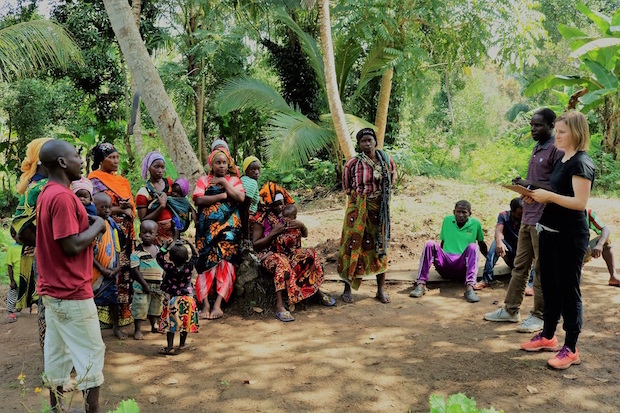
{"x": 147, "y": 276}
{"x": 106, "y": 263}
{"x": 12, "y": 260}
{"x": 180, "y": 314}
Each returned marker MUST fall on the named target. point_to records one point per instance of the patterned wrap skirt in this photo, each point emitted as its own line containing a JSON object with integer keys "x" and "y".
{"x": 180, "y": 315}
{"x": 357, "y": 255}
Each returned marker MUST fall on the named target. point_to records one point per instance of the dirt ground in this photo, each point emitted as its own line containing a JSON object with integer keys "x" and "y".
{"x": 365, "y": 356}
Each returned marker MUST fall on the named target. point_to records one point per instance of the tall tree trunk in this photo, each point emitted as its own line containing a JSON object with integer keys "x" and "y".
{"x": 383, "y": 105}
{"x": 149, "y": 83}
{"x": 136, "y": 9}
{"x": 331, "y": 81}
{"x": 199, "y": 107}
{"x": 127, "y": 140}
{"x": 449, "y": 96}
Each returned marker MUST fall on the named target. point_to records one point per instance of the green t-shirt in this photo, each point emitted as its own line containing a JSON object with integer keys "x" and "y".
{"x": 13, "y": 258}
{"x": 251, "y": 191}
{"x": 456, "y": 239}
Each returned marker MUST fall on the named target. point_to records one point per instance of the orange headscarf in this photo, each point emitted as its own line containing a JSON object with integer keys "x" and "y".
{"x": 115, "y": 183}
{"x": 232, "y": 168}
{"x": 268, "y": 193}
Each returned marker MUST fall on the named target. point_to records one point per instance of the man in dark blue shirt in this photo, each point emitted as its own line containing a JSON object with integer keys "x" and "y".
{"x": 505, "y": 243}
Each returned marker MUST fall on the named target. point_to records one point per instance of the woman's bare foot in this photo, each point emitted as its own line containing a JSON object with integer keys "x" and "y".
{"x": 138, "y": 335}
{"x": 120, "y": 334}
{"x": 347, "y": 297}
{"x": 184, "y": 347}
{"x": 383, "y": 297}
{"x": 216, "y": 313}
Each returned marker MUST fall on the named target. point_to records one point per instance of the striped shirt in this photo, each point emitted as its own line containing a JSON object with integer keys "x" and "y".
{"x": 358, "y": 177}
{"x": 147, "y": 264}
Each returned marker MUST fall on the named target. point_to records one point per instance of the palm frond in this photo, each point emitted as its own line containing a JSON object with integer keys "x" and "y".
{"x": 246, "y": 93}
{"x": 354, "y": 124}
{"x": 347, "y": 53}
{"x": 308, "y": 44}
{"x": 30, "y": 46}
{"x": 378, "y": 59}
{"x": 295, "y": 139}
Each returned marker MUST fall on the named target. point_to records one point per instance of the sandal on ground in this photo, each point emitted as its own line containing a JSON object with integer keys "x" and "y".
{"x": 481, "y": 285}
{"x": 327, "y": 300}
{"x": 169, "y": 351}
{"x": 614, "y": 283}
{"x": 285, "y": 316}
{"x": 383, "y": 298}
{"x": 11, "y": 318}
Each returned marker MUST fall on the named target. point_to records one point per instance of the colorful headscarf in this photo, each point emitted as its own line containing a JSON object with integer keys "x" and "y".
{"x": 268, "y": 194}
{"x": 219, "y": 142}
{"x": 82, "y": 183}
{"x": 184, "y": 184}
{"x": 148, "y": 161}
{"x": 100, "y": 152}
{"x": 247, "y": 161}
{"x": 30, "y": 163}
{"x": 232, "y": 169}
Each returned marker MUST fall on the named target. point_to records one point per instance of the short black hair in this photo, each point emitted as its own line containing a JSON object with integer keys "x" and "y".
{"x": 463, "y": 203}
{"x": 547, "y": 114}
{"x": 289, "y": 209}
{"x": 178, "y": 254}
{"x": 366, "y": 131}
{"x": 516, "y": 203}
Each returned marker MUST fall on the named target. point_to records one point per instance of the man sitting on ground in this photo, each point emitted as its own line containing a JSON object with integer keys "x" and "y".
{"x": 505, "y": 243}
{"x": 456, "y": 257}
{"x": 600, "y": 245}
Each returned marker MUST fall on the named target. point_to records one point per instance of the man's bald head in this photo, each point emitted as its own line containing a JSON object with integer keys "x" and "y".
{"x": 54, "y": 149}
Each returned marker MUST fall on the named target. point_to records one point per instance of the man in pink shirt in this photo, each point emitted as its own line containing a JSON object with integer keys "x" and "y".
{"x": 65, "y": 233}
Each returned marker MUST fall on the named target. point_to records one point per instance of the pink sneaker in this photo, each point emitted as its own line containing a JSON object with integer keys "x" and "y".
{"x": 538, "y": 343}
{"x": 11, "y": 318}
{"x": 529, "y": 291}
{"x": 564, "y": 359}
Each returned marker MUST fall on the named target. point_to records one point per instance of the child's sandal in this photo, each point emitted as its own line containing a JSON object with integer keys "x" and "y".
{"x": 168, "y": 351}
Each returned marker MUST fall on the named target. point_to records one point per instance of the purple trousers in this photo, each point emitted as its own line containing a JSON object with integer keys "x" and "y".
{"x": 451, "y": 266}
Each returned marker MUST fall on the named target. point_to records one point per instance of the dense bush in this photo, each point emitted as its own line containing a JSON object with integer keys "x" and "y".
{"x": 316, "y": 173}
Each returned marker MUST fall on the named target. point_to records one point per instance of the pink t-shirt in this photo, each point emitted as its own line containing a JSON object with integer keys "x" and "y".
{"x": 60, "y": 214}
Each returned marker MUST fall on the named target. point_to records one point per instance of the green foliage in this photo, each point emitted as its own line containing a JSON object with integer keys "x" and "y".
{"x": 317, "y": 173}
{"x": 5, "y": 241}
{"x": 30, "y": 46}
{"x": 607, "y": 168}
{"x": 456, "y": 403}
{"x": 127, "y": 406}
{"x": 498, "y": 161}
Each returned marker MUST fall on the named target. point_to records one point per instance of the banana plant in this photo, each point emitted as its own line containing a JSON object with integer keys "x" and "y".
{"x": 598, "y": 89}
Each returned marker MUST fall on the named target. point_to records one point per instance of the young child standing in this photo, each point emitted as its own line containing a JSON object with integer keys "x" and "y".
{"x": 12, "y": 260}
{"x": 180, "y": 314}
{"x": 106, "y": 263}
{"x": 147, "y": 276}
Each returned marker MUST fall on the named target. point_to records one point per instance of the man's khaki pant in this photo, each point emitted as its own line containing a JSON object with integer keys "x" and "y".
{"x": 527, "y": 252}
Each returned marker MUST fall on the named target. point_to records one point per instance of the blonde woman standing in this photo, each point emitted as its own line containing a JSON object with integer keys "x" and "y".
{"x": 564, "y": 236}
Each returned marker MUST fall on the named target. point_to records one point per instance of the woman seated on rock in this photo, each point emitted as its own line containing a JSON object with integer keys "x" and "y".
{"x": 298, "y": 272}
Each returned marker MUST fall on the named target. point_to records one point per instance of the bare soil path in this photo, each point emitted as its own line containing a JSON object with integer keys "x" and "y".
{"x": 361, "y": 357}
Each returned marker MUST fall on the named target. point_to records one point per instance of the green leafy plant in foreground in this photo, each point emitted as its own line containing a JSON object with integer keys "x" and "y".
{"x": 127, "y": 406}
{"x": 456, "y": 403}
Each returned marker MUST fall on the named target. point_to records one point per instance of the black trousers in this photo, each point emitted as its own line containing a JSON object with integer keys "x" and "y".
{"x": 561, "y": 258}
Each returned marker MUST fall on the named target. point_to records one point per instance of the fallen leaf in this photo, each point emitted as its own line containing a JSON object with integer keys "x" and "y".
{"x": 284, "y": 344}
{"x": 569, "y": 376}
{"x": 532, "y": 389}
{"x": 372, "y": 337}
{"x": 311, "y": 315}
{"x": 153, "y": 399}
{"x": 171, "y": 381}
{"x": 290, "y": 368}
{"x": 377, "y": 388}
{"x": 602, "y": 380}
{"x": 351, "y": 360}
{"x": 257, "y": 310}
